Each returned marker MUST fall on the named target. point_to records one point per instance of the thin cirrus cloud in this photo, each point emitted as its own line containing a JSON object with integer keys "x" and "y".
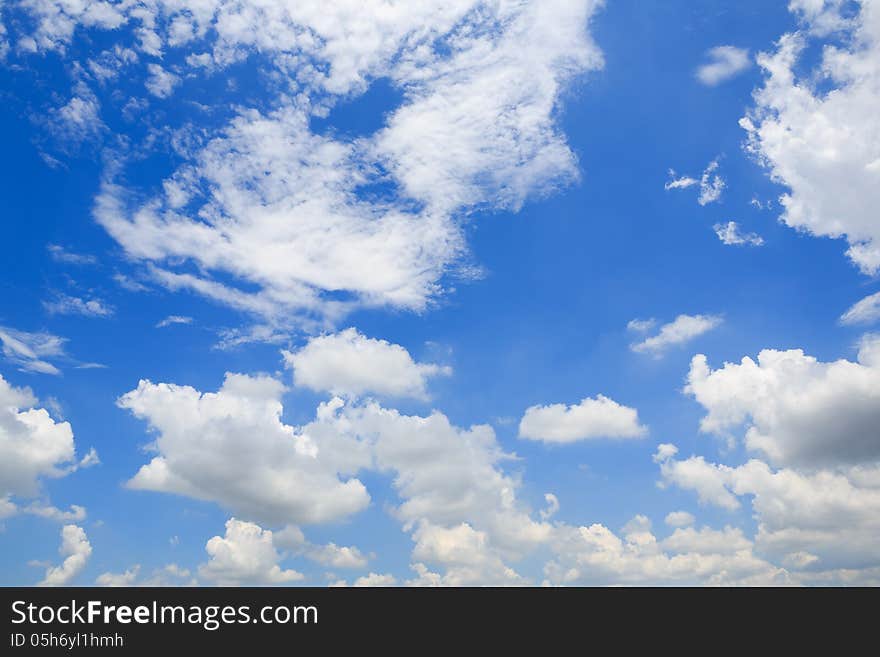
{"x": 864, "y": 311}
{"x": 599, "y": 417}
{"x": 681, "y": 330}
{"x": 725, "y": 62}
{"x": 32, "y": 351}
{"x": 171, "y": 320}
{"x": 64, "y": 304}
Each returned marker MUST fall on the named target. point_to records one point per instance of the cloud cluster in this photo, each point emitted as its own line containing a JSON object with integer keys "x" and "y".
{"x": 816, "y": 130}
{"x": 281, "y": 221}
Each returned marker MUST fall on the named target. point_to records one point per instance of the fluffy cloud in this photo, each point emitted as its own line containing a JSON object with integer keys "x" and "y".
{"x": 679, "y": 519}
{"x": 592, "y": 418}
{"x": 245, "y": 555}
{"x": 796, "y": 409}
{"x": 349, "y": 363}
{"x": 170, "y": 575}
{"x": 76, "y": 550}
{"x": 682, "y": 329}
{"x": 595, "y": 555}
{"x": 816, "y": 131}
{"x": 865, "y": 311}
{"x": 32, "y": 444}
{"x": 231, "y": 447}
{"x": 724, "y": 63}
{"x": 731, "y": 235}
{"x": 822, "y": 520}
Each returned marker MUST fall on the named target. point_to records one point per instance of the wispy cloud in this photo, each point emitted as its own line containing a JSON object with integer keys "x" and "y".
{"x": 174, "y": 319}
{"x": 64, "y": 304}
{"x": 681, "y": 330}
{"x": 724, "y": 63}
{"x": 61, "y": 254}
{"x": 31, "y": 351}
{"x": 731, "y": 235}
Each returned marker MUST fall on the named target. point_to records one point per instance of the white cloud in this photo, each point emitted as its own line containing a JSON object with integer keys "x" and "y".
{"x": 731, "y": 235}
{"x": 482, "y": 86}
{"x": 375, "y": 579}
{"x": 641, "y": 325}
{"x": 76, "y": 550}
{"x": 591, "y": 418}
{"x": 595, "y": 555}
{"x": 31, "y": 351}
{"x": 865, "y": 311}
{"x": 817, "y": 133}
{"x": 681, "y": 330}
{"x": 169, "y": 575}
{"x": 711, "y": 184}
{"x": 679, "y": 519}
{"x": 679, "y": 182}
{"x": 230, "y": 447}
{"x": 724, "y": 63}
{"x": 61, "y": 254}
{"x": 160, "y": 82}
{"x": 349, "y": 363}
{"x": 795, "y": 409}
{"x": 246, "y": 555}
{"x": 174, "y": 319}
{"x": 833, "y": 516}
{"x": 335, "y": 556}
{"x": 33, "y": 446}
{"x": 64, "y": 304}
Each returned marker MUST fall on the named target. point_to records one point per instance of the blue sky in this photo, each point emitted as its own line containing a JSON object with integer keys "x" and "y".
{"x": 442, "y": 217}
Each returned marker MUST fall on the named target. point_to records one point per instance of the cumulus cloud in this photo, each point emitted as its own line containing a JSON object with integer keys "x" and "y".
{"x": 725, "y": 62}
{"x": 594, "y": 554}
{"x": 681, "y": 330}
{"x": 815, "y": 130}
{"x": 679, "y": 519}
{"x": 349, "y": 363}
{"x": 832, "y": 516}
{"x": 245, "y": 555}
{"x": 598, "y": 417}
{"x": 169, "y": 575}
{"x": 795, "y": 409}
{"x": 76, "y": 550}
{"x": 731, "y": 235}
{"x": 232, "y": 448}
{"x": 33, "y": 446}
{"x": 864, "y": 311}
